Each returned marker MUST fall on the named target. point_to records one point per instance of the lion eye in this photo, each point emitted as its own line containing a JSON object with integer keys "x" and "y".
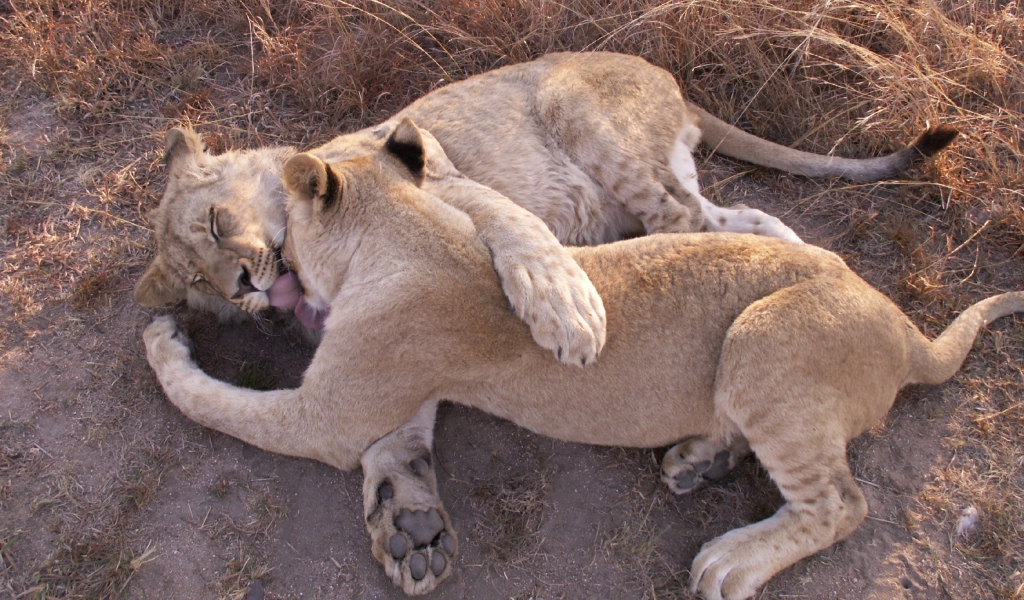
{"x": 214, "y": 233}
{"x": 197, "y": 278}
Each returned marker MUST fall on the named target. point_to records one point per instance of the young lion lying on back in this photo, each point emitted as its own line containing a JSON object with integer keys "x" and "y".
{"x": 728, "y": 342}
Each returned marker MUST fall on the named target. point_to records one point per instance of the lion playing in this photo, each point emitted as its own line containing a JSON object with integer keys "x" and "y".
{"x": 724, "y": 342}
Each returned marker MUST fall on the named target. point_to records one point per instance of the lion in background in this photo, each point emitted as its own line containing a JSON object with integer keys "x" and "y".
{"x": 731, "y": 343}
{"x": 597, "y": 145}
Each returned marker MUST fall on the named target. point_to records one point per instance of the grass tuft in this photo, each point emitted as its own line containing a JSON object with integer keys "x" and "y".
{"x": 511, "y": 524}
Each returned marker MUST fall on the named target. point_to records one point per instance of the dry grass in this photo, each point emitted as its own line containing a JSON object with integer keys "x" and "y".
{"x": 635, "y": 545}
{"x": 91, "y": 87}
{"x": 510, "y": 526}
{"x": 239, "y": 574}
{"x": 93, "y": 557}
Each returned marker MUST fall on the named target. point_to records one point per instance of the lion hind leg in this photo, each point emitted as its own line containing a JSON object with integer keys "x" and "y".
{"x": 797, "y": 409}
{"x": 687, "y": 464}
{"x": 823, "y": 505}
{"x": 738, "y": 219}
{"x": 411, "y": 534}
{"x": 742, "y": 219}
{"x": 659, "y": 210}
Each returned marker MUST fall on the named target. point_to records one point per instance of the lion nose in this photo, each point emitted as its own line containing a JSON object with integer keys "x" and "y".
{"x": 245, "y": 285}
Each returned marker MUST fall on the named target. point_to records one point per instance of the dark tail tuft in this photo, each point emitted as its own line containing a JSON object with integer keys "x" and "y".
{"x": 935, "y": 139}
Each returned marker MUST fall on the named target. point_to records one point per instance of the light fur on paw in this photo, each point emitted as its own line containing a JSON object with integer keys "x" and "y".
{"x": 731, "y": 567}
{"x": 742, "y": 219}
{"x": 554, "y": 296}
{"x": 410, "y": 532}
{"x": 166, "y": 343}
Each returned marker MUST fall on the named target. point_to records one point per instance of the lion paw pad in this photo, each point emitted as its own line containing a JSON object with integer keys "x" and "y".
{"x": 415, "y": 545}
{"x": 689, "y": 464}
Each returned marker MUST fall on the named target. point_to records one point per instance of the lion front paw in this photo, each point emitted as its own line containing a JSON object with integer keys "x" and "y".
{"x": 411, "y": 534}
{"x": 166, "y": 344}
{"x": 556, "y": 299}
{"x": 420, "y": 550}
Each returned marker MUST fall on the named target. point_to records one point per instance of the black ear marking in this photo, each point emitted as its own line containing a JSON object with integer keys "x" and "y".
{"x": 311, "y": 180}
{"x": 331, "y": 188}
{"x": 406, "y": 144}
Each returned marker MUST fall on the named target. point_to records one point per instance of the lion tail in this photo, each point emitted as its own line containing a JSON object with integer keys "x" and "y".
{"x": 723, "y": 138}
{"x": 936, "y": 361}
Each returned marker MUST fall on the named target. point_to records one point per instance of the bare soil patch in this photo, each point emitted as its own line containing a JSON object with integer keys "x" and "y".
{"x": 107, "y": 491}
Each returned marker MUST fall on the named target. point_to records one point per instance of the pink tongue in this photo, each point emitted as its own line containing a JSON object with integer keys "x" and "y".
{"x": 286, "y": 293}
{"x": 309, "y": 316}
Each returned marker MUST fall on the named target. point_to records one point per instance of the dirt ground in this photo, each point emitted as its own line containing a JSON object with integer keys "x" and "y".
{"x": 106, "y": 490}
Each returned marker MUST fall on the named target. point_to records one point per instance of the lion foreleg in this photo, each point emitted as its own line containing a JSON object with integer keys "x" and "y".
{"x": 276, "y": 421}
{"x": 547, "y": 289}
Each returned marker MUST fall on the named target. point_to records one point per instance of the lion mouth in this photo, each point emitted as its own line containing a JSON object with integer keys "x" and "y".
{"x": 286, "y": 293}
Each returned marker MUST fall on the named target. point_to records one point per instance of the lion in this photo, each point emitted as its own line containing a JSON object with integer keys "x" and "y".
{"x": 597, "y": 145}
{"x": 720, "y": 343}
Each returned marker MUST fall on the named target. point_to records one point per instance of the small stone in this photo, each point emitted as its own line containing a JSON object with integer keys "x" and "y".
{"x": 418, "y": 566}
{"x": 968, "y": 521}
{"x": 398, "y": 546}
{"x": 255, "y": 590}
{"x": 437, "y": 563}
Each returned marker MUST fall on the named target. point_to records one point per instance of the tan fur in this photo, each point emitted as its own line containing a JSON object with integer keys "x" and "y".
{"x": 731, "y": 339}
{"x": 597, "y": 145}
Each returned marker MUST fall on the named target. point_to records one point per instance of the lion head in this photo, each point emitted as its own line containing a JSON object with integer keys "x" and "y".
{"x": 221, "y": 222}
{"x": 218, "y": 228}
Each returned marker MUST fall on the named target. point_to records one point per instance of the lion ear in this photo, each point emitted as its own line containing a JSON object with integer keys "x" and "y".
{"x": 159, "y": 286}
{"x": 406, "y": 144}
{"x": 183, "y": 148}
{"x": 310, "y": 180}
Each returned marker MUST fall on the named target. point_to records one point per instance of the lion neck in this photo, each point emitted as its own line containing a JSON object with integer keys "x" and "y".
{"x": 386, "y": 235}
